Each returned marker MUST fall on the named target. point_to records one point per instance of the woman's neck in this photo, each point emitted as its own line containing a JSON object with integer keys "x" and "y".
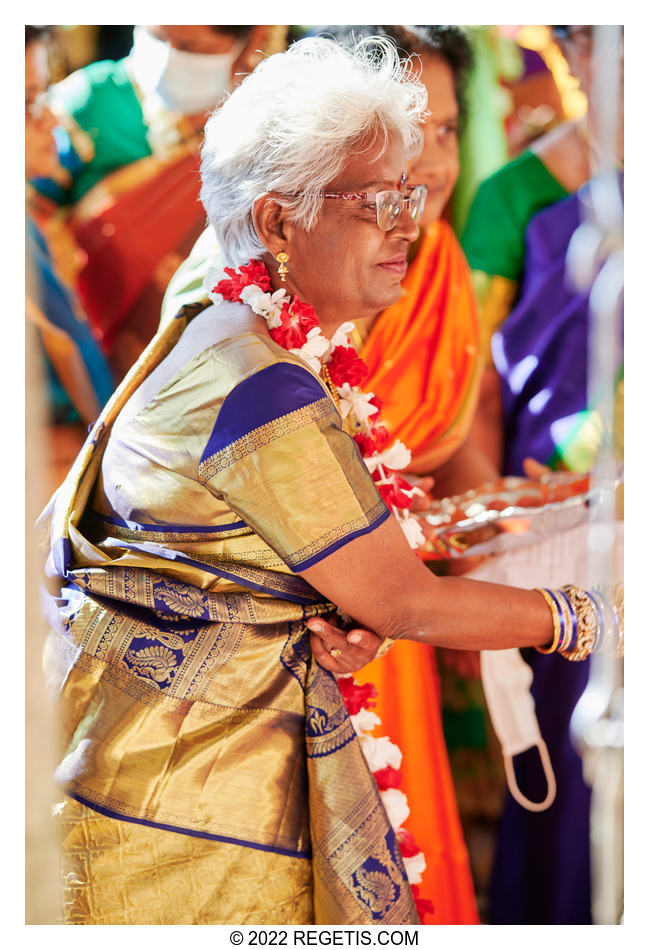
{"x": 330, "y": 312}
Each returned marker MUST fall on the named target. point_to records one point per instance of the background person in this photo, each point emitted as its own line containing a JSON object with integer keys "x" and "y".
{"x": 534, "y": 404}
{"x": 79, "y": 380}
{"x": 130, "y": 137}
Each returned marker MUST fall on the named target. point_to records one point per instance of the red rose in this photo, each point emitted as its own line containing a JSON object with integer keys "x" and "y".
{"x": 304, "y": 315}
{"x": 297, "y": 319}
{"x": 407, "y": 844}
{"x": 252, "y": 273}
{"x": 289, "y": 334}
{"x": 381, "y": 436}
{"x": 357, "y": 696}
{"x": 424, "y": 907}
{"x": 256, "y": 273}
{"x": 387, "y": 778}
{"x": 373, "y": 441}
{"x": 346, "y": 366}
{"x": 378, "y": 402}
{"x": 365, "y": 443}
{"x": 393, "y": 488}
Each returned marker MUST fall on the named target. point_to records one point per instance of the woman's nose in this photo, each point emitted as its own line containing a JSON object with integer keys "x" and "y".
{"x": 406, "y": 225}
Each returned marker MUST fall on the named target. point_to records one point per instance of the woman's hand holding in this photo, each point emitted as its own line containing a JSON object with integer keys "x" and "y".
{"x": 341, "y": 652}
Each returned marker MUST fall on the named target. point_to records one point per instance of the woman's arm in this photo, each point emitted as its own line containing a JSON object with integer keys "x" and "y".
{"x": 467, "y": 468}
{"x": 378, "y": 581}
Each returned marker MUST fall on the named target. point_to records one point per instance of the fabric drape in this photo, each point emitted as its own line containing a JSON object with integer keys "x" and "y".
{"x": 179, "y": 659}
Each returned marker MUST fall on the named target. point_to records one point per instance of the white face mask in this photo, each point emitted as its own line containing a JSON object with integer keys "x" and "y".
{"x": 506, "y": 680}
{"x": 184, "y": 82}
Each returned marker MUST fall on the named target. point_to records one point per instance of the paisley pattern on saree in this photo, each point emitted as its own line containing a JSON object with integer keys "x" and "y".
{"x": 378, "y": 882}
{"x": 328, "y": 726}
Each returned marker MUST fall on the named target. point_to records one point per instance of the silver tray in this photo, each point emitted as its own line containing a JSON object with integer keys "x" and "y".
{"x": 513, "y": 512}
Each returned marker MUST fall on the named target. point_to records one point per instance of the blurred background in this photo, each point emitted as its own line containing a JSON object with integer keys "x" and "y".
{"x": 112, "y": 212}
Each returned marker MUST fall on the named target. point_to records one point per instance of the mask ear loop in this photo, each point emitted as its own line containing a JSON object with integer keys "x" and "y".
{"x": 512, "y": 783}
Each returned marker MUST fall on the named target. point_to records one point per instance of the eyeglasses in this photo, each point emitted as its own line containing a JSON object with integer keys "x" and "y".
{"x": 389, "y": 204}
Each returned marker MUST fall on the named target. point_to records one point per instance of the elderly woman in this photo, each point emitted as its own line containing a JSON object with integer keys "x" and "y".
{"x": 222, "y": 505}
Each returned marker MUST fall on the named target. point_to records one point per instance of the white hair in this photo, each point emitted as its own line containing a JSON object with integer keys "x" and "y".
{"x": 291, "y": 125}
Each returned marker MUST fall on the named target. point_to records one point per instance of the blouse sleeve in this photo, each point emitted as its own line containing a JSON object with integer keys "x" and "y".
{"x": 278, "y": 456}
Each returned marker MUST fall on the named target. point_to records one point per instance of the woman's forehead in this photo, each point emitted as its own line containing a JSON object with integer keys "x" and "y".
{"x": 373, "y": 167}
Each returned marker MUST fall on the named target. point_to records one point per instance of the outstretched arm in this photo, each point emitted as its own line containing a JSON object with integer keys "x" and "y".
{"x": 380, "y": 582}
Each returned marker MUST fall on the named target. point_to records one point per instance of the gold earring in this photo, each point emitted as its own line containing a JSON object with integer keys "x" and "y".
{"x": 282, "y": 270}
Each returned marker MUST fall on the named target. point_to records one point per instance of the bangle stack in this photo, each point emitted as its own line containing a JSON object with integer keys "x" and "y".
{"x": 584, "y": 622}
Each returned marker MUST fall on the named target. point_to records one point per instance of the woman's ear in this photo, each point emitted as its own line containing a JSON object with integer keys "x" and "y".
{"x": 271, "y": 223}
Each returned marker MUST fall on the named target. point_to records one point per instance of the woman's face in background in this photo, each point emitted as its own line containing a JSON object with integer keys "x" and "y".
{"x": 438, "y": 164}
{"x": 41, "y": 158}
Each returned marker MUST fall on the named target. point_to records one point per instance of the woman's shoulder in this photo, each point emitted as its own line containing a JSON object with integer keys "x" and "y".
{"x": 514, "y": 178}
{"x": 235, "y": 341}
{"x": 493, "y": 238}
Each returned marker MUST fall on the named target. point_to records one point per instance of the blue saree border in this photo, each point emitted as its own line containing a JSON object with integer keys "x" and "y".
{"x": 309, "y": 562}
{"x": 169, "y": 528}
{"x": 193, "y": 833}
{"x": 226, "y": 575}
{"x": 271, "y": 393}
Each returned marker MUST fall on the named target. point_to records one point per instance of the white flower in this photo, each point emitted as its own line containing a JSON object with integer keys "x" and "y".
{"x": 415, "y": 867}
{"x": 396, "y": 457}
{"x": 340, "y": 337}
{"x": 352, "y": 400}
{"x": 412, "y": 530}
{"x": 214, "y": 274}
{"x": 268, "y": 306}
{"x": 379, "y": 753}
{"x": 396, "y": 805}
{"x": 411, "y": 492}
{"x": 316, "y": 344}
{"x": 365, "y": 721}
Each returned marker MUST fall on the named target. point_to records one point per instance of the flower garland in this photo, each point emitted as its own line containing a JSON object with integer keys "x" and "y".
{"x": 294, "y": 326}
{"x": 384, "y": 759}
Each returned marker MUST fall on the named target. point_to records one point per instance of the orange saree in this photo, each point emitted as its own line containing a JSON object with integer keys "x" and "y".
{"x": 423, "y": 362}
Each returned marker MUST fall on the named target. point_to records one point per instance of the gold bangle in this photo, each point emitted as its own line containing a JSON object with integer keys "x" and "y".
{"x": 383, "y": 649}
{"x": 556, "y": 620}
{"x": 587, "y": 623}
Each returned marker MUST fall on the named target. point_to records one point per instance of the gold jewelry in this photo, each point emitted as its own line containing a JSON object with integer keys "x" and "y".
{"x": 557, "y": 625}
{"x": 335, "y": 653}
{"x": 326, "y": 378}
{"x": 282, "y": 258}
{"x": 383, "y": 649}
{"x": 587, "y": 625}
{"x": 584, "y": 621}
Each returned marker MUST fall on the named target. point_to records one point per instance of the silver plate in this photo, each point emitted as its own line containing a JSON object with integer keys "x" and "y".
{"x": 514, "y": 512}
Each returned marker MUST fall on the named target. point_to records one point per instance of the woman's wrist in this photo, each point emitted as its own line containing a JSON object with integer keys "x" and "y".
{"x": 584, "y": 622}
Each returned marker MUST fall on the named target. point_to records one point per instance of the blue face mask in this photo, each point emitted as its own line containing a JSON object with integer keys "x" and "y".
{"x": 184, "y": 82}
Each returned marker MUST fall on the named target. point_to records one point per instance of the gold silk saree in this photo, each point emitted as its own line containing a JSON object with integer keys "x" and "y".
{"x": 212, "y": 771}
